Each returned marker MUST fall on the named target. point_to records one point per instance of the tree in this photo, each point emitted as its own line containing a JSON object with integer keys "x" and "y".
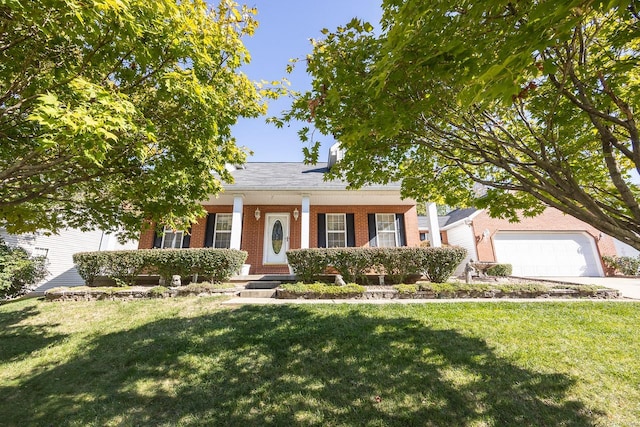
{"x": 536, "y": 100}
{"x": 118, "y": 113}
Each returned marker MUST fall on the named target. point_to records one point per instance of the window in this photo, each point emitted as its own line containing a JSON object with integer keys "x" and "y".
{"x": 222, "y": 231}
{"x": 336, "y": 231}
{"x": 172, "y": 238}
{"x": 386, "y": 230}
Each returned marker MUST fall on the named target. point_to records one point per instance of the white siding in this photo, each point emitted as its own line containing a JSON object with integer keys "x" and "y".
{"x": 622, "y": 249}
{"x": 462, "y": 235}
{"x": 59, "y": 249}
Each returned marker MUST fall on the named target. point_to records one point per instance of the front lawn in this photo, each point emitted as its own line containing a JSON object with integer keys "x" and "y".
{"x": 189, "y": 361}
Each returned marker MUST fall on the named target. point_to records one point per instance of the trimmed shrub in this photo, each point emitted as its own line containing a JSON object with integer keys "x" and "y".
{"x": 216, "y": 265}
{"x": 352, "y": 263}
{"x": 438, "y": 264}
{"x": 123, "y": 266}
{"x": 396, "y": 263}
{"x": 308, "y": 264}
{"x": 89, "y": 265}
{"x": 626, "y": 265}
{"x": 500, "y": 270}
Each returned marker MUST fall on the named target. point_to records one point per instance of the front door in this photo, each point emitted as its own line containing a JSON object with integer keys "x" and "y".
{"x": 276, "y": 238}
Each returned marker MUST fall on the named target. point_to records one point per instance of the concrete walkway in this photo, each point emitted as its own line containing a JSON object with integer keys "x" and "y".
{"x": 629, "y": 286}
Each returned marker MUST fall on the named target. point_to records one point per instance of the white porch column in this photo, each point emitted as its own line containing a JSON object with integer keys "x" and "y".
{"x": 304, "y": 223}
{"x": 434, "y": 228}
{"x": 236, "y": 221}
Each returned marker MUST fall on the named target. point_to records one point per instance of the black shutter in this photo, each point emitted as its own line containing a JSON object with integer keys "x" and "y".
{"x": 322, "y": 230}
{"x": 157, "y": 239}
{"x": 402, "y": 235}
{"x": 186, "y": 238}
{"x": 351, "y": 231}
{"x": 208, "y": 235}
{"x": 373, "y": 241}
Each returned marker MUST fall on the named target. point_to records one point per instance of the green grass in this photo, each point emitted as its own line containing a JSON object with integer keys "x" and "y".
{"x": 190, "y": 362}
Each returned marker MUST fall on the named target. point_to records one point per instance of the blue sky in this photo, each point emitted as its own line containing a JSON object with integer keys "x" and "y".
{"x": 284, "y": 32}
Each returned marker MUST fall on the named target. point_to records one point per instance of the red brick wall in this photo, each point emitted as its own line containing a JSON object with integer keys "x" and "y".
{"x": 253, "y": 231}
{"x": 198, "y": 230}
{"x": 361, "y": 221}
{"x": 550, "y": 220}
{"x": 253, "y": 236}
{"x": 146, "y": 240}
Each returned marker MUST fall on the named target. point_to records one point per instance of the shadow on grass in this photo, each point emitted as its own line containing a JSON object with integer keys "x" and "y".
{"x": 19, "y": 340}
{"x": 290, "y": 365}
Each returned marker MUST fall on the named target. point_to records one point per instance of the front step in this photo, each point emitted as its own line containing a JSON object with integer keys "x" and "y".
{"x": 257, "y": 293}
{"x": 262, "y": 284}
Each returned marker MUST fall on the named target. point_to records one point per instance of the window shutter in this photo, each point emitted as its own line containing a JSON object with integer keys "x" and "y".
{"x": 402, "y": 235}
{"x": 208, "y": 236}
{"x": 351, "y": 231}
{"x": 186, "y": 238}
{"x": 157, "y": 239}
{"x": 322, "y": 230}
{"x": 373, "y": 241}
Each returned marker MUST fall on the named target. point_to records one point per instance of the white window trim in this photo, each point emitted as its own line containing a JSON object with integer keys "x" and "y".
{"x": 175, "y": 233}
{"x": 216, "y": 231}
{"x": 344, "y": 233}
{"x": 395, "y": 230}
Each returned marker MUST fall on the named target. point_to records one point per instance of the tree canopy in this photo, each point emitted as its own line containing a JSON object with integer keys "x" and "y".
{"x": 115, "y": 113}
{"x": 535, "y": 100}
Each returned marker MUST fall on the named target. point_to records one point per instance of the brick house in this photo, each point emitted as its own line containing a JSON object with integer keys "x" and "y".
{"x": 274, "y": 207}
{"x": 550, "y": 244}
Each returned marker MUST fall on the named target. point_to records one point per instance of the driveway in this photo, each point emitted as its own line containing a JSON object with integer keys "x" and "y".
{"x": 629, "y": 286}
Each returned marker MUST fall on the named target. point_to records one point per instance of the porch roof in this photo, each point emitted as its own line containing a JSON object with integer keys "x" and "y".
{"x": 290, "y": 176}
{"x": 285, "y": 183}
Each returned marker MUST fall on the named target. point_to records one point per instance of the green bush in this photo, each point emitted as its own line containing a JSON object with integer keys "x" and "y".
{"x": 123, "y": 266}
{"x": 216, "y": 265}
{"x": 18, "y": 270}
{"x": 626, "y": 265}
{"x": 396, "y": 263}
{"x": 308, "y": 264}
{"x": 500, "y": 270}
{"x": 89, "y": 265}
{"x": 438, "y": 264}
{"x": 353, "y": 264}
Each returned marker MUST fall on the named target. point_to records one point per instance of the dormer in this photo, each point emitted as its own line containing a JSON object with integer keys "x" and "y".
{"x": 336, "y": 153}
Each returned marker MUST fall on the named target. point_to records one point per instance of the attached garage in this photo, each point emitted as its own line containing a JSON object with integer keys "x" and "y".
{"x": 548, "y": 253}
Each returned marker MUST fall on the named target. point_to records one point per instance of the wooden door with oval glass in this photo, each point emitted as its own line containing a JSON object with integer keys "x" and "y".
{"x": 276, "y": 238}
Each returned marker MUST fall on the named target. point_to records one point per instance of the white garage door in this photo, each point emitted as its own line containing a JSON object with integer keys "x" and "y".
{"x": 548, "y": 254}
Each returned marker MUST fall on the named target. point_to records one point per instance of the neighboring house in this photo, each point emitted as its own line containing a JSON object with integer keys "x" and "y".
{"x": 274, "y": 207}
{"x": 550, "y": 244}
{"x": 59, "y": 250}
